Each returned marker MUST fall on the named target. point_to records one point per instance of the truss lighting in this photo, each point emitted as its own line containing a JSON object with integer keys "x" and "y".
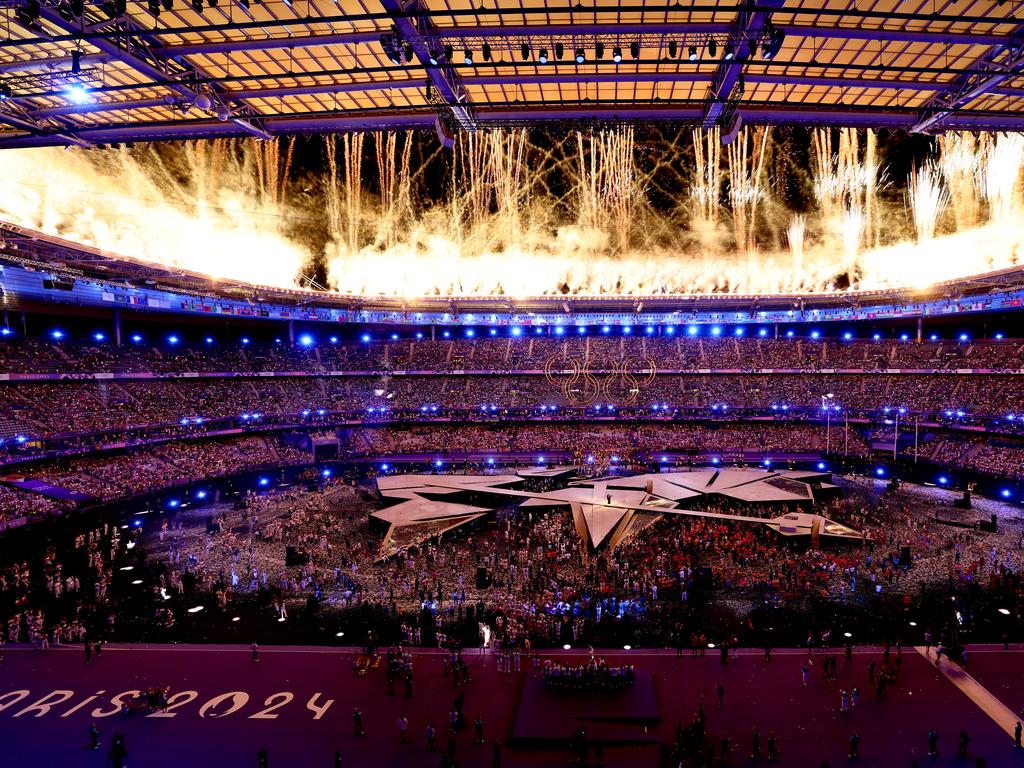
{"x": 5, "y": 91}
{"x": 487, "y": 52}
{"x": 617, "y": 54}
{"x": 434, "y": 57}
{"x": 467, "y": 57}
{"x": 559, "y": 50}
{"x": 153, "y": 7}
{"x": 673, "y": 49}
{"x": 524, "y": 51}
{"x": 76, "y": 62}
{"x": 581, "y": 56}
{"x": 77, "y": 94}
{"x": 543, "y": 57}
{"x": 712, "y": 48}
{"x": 729, "y": 53}
{"x": 599, "y": 50}
{"x": 29, "y": 12}
{"x": 409, "y": 52}
{"x": 449, "y": 52}
{"x": 634, "y": 49}
{"x": 197, "y": 6}
{"x": 168, "y": 5}
{"x": 693, "y": 53}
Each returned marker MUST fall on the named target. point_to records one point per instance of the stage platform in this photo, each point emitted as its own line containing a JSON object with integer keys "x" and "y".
{"x": 297, "y": 702}
{"x": 546, "y": 716}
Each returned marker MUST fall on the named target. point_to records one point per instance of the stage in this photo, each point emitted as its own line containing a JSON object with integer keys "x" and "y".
{"x": 297, "y": 702}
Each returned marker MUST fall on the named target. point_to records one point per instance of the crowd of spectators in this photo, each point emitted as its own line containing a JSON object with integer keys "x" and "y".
{"x": 49, "y": 409}
{"x": 111, "y": 476}
{"x": 504, "y": 354}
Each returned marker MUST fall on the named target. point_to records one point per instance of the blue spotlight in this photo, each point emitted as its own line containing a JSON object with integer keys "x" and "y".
{"x": 815, "y": 335}
{"x": 99, "y": 336}
{"x": 606, "y": 329}
{"x": 136, "y": 338}
{"x": 517, "y": 331}
{"x": 172, "y": 339}
{"x": 716, "y": 330}
{"x": 880, "y": 471}
{"x": 365, "y": 338}
{"x": 306, "y": 340}
{"x": 763, "y": 332}
{"x": 57, "y": 334}
{"x": 692, "y": 330}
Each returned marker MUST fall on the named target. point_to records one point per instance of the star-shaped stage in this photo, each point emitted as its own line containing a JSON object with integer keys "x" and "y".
{"x": 608, "y": 510}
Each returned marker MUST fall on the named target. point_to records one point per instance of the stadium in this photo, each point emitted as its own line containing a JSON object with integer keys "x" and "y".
{"x": 495, "y": 383}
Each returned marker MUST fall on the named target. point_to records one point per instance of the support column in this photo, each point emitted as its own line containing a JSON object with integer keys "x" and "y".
{"x": 291, "y": 333}
{"x": 920, "y": 323}
{"x": 117, "y": 326}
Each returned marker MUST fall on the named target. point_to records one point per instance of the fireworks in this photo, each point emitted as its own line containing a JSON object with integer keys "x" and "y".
{"x": 928, "y": 199}
{"x": 585, "y": 214}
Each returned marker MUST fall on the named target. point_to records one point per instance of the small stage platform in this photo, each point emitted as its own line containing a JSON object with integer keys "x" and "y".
{"x": 547, "y": 717}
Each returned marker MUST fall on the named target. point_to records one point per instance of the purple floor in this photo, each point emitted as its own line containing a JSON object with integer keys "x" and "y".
{"x": 202, "y": 732}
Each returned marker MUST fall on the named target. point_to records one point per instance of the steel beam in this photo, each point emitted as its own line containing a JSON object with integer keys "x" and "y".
{"x": 148, "y": 69}
{"x": 1002, "y": 63}
{"x": 743, "y": 36}
{"x": 413, "y": 24}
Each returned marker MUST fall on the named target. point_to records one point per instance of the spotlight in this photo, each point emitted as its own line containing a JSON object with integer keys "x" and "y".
{"x": 197, "y": 6}
{"x": 729, "y": 52}
{"x": 524, "y": 51}
{"x": 76, "y": 62}
{"x": 543, "y": 57}
{"x": 168, "y": 5}
{"x": 599, "y": 50}
{"x": 693, "y": 53}
{"x": 154, "y": 7}
{"x": 634, "y": 49}
{"x": 712, "y": 48}
{"x": 559, "y": 50}
{"x": 467, "y": 57}
{"x": 434, "y": 57}
{"x": 673, "y": 49}
{"x": 449, "y": 52}
{"x": 487, "y": 52}
{"x": 410, "y": 54}
{"x": 5, "y": 91}
{"x": 617, "y": 54}
{"x": 580, "y": 56}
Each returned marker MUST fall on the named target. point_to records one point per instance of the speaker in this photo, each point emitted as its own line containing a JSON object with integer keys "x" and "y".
{"x": 293, "y": 557}
{"x": 988, "y": 525}
{"x": 963, "y": 503}
{"x": 483, "y": 577}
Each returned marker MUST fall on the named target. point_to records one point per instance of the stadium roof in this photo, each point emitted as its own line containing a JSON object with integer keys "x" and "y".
{"x": 94, "y": 74}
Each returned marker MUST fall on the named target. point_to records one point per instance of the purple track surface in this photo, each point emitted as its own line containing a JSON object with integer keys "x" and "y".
{"x": 210, "y": 729}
